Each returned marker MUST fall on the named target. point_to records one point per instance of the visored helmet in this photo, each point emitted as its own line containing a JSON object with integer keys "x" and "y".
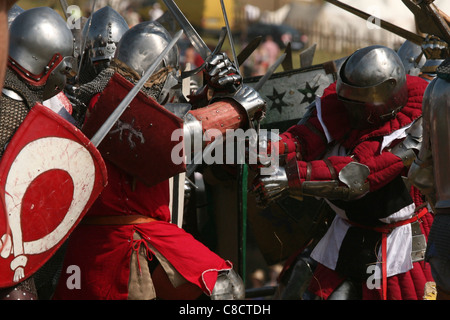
{"x": 102, "y": 32}
{"x": 412, "y": 57}
{"x": 41, "y": 49}
{"x": 372, "y": 85}
{"x": 139, "y": 48}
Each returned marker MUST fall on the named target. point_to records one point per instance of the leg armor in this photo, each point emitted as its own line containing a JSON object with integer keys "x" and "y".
{"x": 25, "y": 290}
{"x": 299, "y": 280}
{"x": 229, "y": 286}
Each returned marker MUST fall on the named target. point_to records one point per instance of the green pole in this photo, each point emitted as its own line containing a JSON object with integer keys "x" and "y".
{"x": 243, "y": 174}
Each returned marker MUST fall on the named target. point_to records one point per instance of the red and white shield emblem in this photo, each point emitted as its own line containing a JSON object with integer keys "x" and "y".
{"x": 50, "y": 174}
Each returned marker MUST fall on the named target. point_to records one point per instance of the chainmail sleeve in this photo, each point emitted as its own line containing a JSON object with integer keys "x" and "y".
{"x": 12, "y": 111}
{"x": 81, "y": 97}
{"x": 12, "y": 114}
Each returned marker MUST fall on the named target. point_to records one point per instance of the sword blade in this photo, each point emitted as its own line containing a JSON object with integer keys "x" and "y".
{"x": 269, "y": 72}
{"x": 230, "y": 35}
{"x": 109, "y": 123}
{"x": 248, "y": 50}
{"x": 287, "y": 63}
{"x": 189, "y": 30}
{"x": 408, "y": 35}
{"x": 307, "y": 56}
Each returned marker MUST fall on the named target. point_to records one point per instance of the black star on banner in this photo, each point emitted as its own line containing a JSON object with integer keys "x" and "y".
{"x": 277, "y": 99}
{"x": 309, "y": 93}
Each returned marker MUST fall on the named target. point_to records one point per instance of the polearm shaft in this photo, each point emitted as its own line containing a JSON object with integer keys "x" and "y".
{"x": 64, "y": 6}
{"x": 408, "y": 35}
{"x": 115, "y": 115}
{"x": 83, "y": 49}
{"x": 230, "y": 36}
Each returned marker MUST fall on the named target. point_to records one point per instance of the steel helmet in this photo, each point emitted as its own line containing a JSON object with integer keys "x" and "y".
{"x": 372, "y": 85}
{"x": 102, "y": 32}
{"x": 141, "y": 45}
{"x": 41, "y": 49}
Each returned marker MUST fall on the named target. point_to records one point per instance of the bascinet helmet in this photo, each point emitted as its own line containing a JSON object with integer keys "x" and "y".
{"x": 139, "y": 48}
{"x": 102, "y": 32}
{"x": 41, "y": 49}
{"x": 372, "y": 85}
{"x": 412, "y": 57}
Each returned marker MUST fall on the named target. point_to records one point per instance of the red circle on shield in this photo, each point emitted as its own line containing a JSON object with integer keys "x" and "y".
{"x": 46, "y": 203}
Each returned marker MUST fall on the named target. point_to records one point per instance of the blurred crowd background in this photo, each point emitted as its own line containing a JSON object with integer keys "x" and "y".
{"x": 303, "y": 23}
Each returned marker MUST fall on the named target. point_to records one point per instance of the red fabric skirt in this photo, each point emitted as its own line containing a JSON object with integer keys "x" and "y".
{"x": 102, "y": 256}
{"x": 405, "y": 286}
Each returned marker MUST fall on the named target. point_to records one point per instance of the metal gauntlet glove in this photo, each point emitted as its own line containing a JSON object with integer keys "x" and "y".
{"x": 271, "y": 187}
{"x": 221, "y": 73}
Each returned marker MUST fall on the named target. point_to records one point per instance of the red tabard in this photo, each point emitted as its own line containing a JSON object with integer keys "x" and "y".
{"x": 308, "y": 145}
{"x": 103, "y": 253}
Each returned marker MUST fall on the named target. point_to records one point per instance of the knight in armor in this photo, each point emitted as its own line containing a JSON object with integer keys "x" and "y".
{"x": 102, "y": 32}
{"x": 127, "y": 247}
{"x": 37, "y": 70}
{"x": 354, "y": 151}
{"x": 430, "y": 173}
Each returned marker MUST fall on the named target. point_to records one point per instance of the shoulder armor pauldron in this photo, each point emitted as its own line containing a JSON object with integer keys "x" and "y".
{"x": 409, "y": 147}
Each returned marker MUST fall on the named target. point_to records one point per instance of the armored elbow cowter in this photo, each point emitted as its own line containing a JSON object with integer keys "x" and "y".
{"x": 410, "y": 146}
{"x": 349, "y": 184}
